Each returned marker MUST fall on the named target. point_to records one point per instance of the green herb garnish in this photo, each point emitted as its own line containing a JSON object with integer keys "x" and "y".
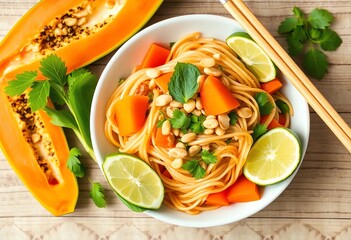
{"x": 258, "y": 131}
{"x": 283, "y": 107}
{"x": 183, "y": 84}
{"x": 265, "y": 106}
{"x": 309, "y": 36}
{"x": 74, "y": 164}
{"x": 97, "y": 193}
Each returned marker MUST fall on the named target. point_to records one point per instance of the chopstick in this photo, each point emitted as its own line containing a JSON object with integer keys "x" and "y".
{"x": 289, "y": 68}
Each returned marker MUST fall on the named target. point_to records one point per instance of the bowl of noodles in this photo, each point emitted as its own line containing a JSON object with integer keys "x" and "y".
{"x": 193, "y": 38}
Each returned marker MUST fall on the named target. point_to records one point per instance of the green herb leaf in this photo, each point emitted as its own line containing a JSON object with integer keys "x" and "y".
{"x": 288, "y": 25}
{"x": 194, "y": 168}
{"x": 258, "y": 131}
{"x": 329, "y": 40}
{"x": 21, "y": 83}
{"x": 298, "y": 12}
{"x": 315, "y": 34}
{"x": 81, "y": 90}
{"x": 73, "y": 163}
{"x": 53, "y": 68}
{"x": 283, "y": 107}
{"x": 196, "y": 125}
{"x": 62, "y": 118}
{"x": 208, "y": 157}
{"x": 97, "y": 193}
{"x": 131, "y": 206}
{"x": 233, "y": 116}
{"x": 295, "y": 46}
{"x": 179, "y": 119}
{"x": 320, "y": 18}
{"x": 183, "y": 84}
{"x": 315, "y": 63}
{"x": 263, "y": 102}
{"x": 38, "y": 97}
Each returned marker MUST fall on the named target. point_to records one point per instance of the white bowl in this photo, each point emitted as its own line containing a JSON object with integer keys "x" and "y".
{"x": 121, "y": 65}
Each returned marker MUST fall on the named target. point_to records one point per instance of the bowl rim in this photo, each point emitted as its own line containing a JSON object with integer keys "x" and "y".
{"x": 187, "y": 222}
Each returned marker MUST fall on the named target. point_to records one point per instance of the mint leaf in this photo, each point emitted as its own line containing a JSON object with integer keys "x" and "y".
{"x": 39, "y": 95}
{"x": 258, "y": 131}
{"x": 329, "y": 40}
{"x": 194, "y": 168}
{"x": 208, "y": 157}
{"x": 320, "y": 18}
{"x": 53, "y": 68}
{"x": 288, "y": 25}
{"x": 21, "y": 83}
{"x": 315, "y": 63}
{"x": 73, "y": 163}
{"x": 97, "y": 193}
{"x": 183, "y": 84}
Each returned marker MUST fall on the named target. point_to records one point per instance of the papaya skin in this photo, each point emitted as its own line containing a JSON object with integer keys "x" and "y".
{"x": 130, "y": 17}
{"x": 57, "y": 197}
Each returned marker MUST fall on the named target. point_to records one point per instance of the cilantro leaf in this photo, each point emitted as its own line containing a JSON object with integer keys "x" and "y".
{"x": 39, "y": 95}
{"x": 194, "y": 168}
{"x": 179, "y": 119}
{"x": 183, "y": 84}
{"x": 329, "y": 40}
{"x": 196, "y": 124}
{"x": 233, "y": 116}
{"x": 73, "y": 163}
{"x": 53, "y": 68}
{"x": 21, "y": 83}
{"x": 265, "y": 106}
{"x": 283, "y": 107}
{"x": 62, "y": 118}
{"x": 208, "y": 157}
{"x": 288, "y": 25}
{"x": 320, "y": 18}
{"x": 295, "y": 46}
{"x": 97, "y": 193}
{"x": 315, "y": 63}
{"x": 298, "y": 12}
{"x": 258, "y": 131}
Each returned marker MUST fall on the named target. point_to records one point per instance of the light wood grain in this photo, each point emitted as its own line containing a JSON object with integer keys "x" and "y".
{"x": 317, "y": 204}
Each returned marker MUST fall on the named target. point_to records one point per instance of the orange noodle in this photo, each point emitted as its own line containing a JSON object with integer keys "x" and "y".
{"x": 230, "y": 145}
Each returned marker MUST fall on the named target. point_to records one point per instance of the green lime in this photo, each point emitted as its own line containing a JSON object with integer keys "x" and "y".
{"x": 134, "y": 180}
{"x": 273, "y": 157}
{"x": 252, "y": 55}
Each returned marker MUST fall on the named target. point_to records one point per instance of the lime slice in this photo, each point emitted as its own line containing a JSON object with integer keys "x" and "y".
{"x": 273, "y": 157}
{"x": 252, "y": 55}
{"x": 134, "y": 180}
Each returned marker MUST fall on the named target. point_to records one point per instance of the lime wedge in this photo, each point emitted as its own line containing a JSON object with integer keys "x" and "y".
{"x": 253, "y": 56}
{"x": 134, "y": 180}
{"x": 273, "y": 157}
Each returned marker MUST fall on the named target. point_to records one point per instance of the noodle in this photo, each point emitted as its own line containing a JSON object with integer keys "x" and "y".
{"x": 182, "y": 190}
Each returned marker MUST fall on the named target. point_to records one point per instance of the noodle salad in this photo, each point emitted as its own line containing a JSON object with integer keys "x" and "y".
{"x": 193, "y": 112}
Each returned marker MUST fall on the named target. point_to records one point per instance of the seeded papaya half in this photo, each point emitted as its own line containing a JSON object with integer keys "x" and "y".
{"x": 78, "y": 31}
{"x": 38, "y": 152}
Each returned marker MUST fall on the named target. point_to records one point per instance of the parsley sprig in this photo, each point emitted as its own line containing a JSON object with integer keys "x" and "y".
{"x": 309, "y": 35}
{"x": 75, "y": 91}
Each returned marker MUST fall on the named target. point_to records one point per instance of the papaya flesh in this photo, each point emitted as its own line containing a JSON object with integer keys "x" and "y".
{"x": 38, "y": 152}
{"x": 78, "y": 31}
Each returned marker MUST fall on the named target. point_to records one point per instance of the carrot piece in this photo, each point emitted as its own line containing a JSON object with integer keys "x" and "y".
{"x": 282, "y": 119}
{"x": 273, "y": 124}
{"x": 218, "y": 199}
{"x": 272, "y": 86}
{"x": 216, "y": 98}
{"x": 163, "y": 80}
{"x": 130, "y": 114}
{"x": 155, "y": 56}
{"x": 243, "y": 190}
{"x": 165, "y": 141}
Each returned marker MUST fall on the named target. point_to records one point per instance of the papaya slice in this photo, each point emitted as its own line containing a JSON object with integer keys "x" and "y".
{"x": 38, "y": 152}
{"x": 78, "y": 31}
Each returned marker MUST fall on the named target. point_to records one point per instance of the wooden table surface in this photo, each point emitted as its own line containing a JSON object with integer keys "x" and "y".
{"x": 316, "y": 205}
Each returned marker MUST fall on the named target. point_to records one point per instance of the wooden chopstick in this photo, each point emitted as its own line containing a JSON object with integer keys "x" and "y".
{"x": 289, "y": 68}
